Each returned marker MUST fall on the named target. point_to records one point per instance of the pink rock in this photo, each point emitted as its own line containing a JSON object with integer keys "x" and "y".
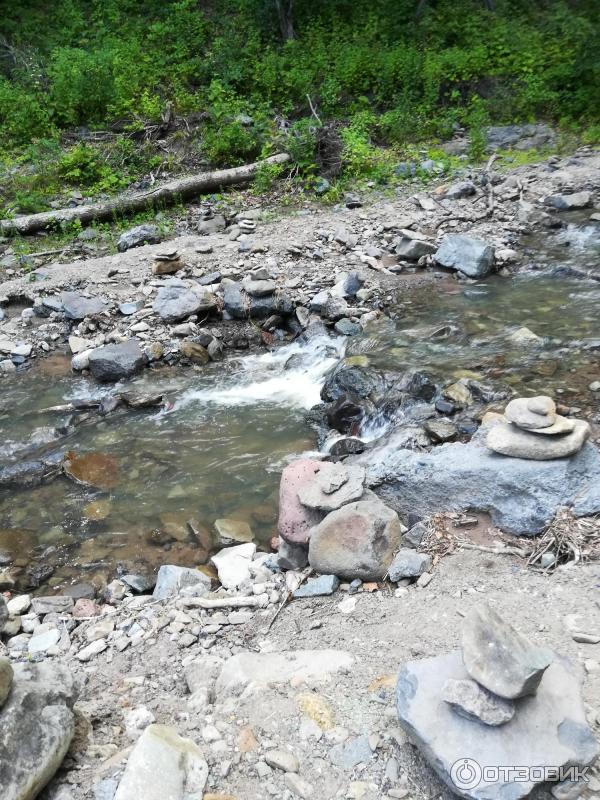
{"x": 295, "y": 521}
{"x": 84, "y": 608}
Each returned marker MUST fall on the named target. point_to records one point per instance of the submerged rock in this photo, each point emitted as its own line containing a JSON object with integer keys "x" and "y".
{"x": 472, "y": 257}
{"x": 549, "y": 730}
{"x": 500, "y": 658}
{"x": 356, "y": 541}
{"x": 36, "y": 728}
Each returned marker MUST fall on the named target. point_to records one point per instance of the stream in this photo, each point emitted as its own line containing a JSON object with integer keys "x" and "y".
{"x": 216, "y": 448}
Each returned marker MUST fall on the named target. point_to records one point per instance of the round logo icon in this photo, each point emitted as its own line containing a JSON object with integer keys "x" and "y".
{"x": 466, "y": 773}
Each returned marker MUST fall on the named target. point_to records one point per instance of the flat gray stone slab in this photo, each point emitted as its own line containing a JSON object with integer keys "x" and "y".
{"x": 549, "y": 729}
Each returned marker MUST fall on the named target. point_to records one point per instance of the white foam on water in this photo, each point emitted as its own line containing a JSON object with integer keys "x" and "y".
{"x": 580, "y": 237}
{"x": 264, "y": 379}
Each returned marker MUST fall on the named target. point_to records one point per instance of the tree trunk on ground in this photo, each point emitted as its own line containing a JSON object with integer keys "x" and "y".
{"x": 166, "y": 194}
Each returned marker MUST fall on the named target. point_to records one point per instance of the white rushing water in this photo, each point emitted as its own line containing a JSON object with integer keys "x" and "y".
{"x": 290, "y": 376}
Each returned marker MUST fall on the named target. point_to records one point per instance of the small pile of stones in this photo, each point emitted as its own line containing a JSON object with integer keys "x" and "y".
{"x": 531, "y": 428}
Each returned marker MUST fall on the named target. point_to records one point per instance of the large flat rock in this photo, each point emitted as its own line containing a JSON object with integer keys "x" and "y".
{"x": 36, "y": 728}
{"x": 548, "y": 729}
{"x": 521, "y": 495}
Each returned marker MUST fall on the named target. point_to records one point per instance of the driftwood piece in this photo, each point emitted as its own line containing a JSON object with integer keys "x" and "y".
{"x": 165, "y": 194}
{"x": 253, "y": 601}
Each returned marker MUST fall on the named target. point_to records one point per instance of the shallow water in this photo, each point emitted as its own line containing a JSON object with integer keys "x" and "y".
{"x": 216, "y": 450}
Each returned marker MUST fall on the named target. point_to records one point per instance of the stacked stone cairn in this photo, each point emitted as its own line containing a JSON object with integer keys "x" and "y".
{"x": 499, "y": 717}
{"x": 531, "y": 428}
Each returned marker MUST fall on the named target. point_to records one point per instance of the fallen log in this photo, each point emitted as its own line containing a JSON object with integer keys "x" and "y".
{"x": 163, "y": 195}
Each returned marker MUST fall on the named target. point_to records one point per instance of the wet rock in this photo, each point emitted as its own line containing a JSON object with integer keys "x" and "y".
{"x": 6, "y": 679}
{"x": 240, "y": 305}
{"x": 470, "y": 700}
{"x": 138, "y": 236}
{"x": 171, "y": 579}
{"x": 568, "y": 202}
{"x": 318, "y": 587}
{"x": 163, "y": 765}
{"x": 408, "y": 564}
{"x": 295, "y": 520}
{"x": 472, "y": 257}
{"x": 351, "y": 380}
{"x": 346, "y": 327}
{"x": 346, "y": 413}
{"x": 356, "y": 541}
{"x": 135, "y": 399}
{"x": 500, "y": 658}
{"x": 37, "y": 725}
{"x": 76, "y": 307}
{"x": 115, "y": 362}
{"x": 440, "y": 430}
{"x": 420, "y": 385}
{"x": 247, "y": 671}
{"x": 174, "y": 303}
{"x": 346, "y": 447}
{"x": 233, "y": 531}
{"x": 233, "y": 564}
{"x": 549, "y": 730}
{"x": 332, "y": 486}
{"x": 521, "y": 495}
{"x": 509, "y": 440}
{"x": 194, "y": 351}
{"x": 459, "y": 393}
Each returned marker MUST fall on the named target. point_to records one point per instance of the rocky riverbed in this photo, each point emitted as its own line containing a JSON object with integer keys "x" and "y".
{"x": 238, "y": 480}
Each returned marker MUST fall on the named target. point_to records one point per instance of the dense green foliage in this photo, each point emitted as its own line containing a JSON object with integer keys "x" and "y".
{"x": 390, "y": 76}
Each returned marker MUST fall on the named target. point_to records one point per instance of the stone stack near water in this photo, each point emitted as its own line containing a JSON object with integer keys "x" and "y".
{"x": 531, "y": 428}
{"x": 498, "y": 718}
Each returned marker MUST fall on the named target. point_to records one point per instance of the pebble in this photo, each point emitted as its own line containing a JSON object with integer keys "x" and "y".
{"x": 281, "y": 759}
{"x": 93, "y": 649}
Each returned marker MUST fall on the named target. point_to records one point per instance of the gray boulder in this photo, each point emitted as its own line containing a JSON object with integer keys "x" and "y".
{"x": 521, "y": 495}
{"x": 519, "y": 137}
{"x": 500, "y": 658}
{"x": 240, "y": 305}
{"x": 114, "y": 362}
{"x": 36, "y": 728}
{"x": 76, "y": 307}
{"x": 472, "y": 257}
{"x": 461, "y": 189}
{"x": 174, "y": 302}
{"x": 136, "y": 237}
{"x": 356, "y": 541}
{"x": 549, "y": 730}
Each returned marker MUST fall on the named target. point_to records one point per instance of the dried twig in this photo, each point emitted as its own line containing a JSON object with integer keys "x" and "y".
{"x": 312, "y": 108}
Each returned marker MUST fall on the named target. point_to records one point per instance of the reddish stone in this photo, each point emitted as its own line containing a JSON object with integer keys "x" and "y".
{"x": 84, "y": 608}
{"x": 296, "y": 521}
